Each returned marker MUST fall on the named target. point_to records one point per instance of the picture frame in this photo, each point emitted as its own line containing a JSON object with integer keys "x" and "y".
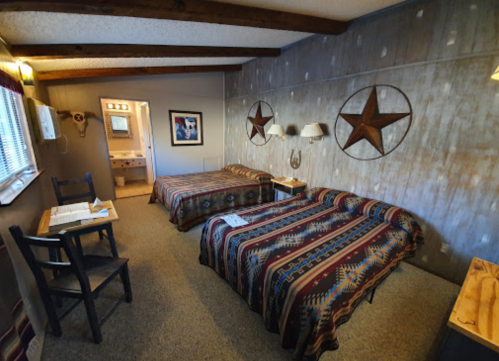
{"x": 118, "y": 125}
{"x": 186, "y": 128}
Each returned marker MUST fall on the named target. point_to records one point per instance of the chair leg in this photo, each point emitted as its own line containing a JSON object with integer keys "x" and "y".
{"x": 92, "y": 318}
{"x": 48, "y": 303}
{"x": 78, "y": 245}
{"x": 101, "y": 235}
{"x": 125, "y": 278}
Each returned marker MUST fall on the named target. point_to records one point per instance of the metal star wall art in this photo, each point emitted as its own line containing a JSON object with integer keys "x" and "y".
{"x": 258, "y": 122}
{"x": 369, "y": 124}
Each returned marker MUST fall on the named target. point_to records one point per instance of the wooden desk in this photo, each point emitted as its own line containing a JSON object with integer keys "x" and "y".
{"x": 96, "y": 225}
{"x": 289, "y": 187}
{"x": 476, "y": 311}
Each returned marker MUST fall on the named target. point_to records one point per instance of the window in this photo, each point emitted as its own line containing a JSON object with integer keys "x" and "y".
{"x": 16, "y": 153}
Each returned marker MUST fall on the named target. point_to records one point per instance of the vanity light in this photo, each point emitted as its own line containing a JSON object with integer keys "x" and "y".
{"x": 124, "y": 106}
{"x": 117, "y": 106}
{"x": 110, "y": 106}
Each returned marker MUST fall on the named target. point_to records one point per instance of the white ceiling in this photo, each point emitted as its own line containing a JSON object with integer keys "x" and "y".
{"x": 55, "y": 28}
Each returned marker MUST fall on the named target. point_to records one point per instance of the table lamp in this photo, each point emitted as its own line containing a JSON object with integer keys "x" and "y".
{"x": 495, "y": 76}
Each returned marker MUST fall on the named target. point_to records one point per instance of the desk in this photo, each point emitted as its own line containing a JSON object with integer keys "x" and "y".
{"x": 290, "y": 187}
{"x": 96, "y": 225}
{"x": 476, "y": 311}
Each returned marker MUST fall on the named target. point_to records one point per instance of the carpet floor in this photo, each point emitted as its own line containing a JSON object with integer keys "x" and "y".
{"x": 185, "y": 311}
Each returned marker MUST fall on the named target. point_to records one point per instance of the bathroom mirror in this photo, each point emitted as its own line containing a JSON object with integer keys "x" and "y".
{"x": 118, "y": 125}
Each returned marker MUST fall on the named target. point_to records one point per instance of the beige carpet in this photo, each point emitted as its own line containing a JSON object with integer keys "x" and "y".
{"x": 184, "y": 311}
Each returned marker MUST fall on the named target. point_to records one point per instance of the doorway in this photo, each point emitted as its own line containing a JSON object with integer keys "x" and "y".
{"x": 129, "y": 140}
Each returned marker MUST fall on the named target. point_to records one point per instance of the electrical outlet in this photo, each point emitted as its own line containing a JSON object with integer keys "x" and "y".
{"x": 444, "y": 248}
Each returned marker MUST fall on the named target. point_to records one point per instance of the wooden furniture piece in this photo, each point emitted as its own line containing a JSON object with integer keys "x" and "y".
{"x": 82, "y": 278}
{"x": 94, "y": 225}
{"x": 61, "y": 199}
{"x": 476, "y": 311}
{"x": 290, "y": 187}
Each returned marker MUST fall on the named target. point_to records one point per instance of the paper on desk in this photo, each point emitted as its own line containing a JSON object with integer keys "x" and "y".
{"x": 234, "y": 220}
{"x": 98, "y": 204}
{"x": 70, "y": 208}
{"x": 64, "y": 218}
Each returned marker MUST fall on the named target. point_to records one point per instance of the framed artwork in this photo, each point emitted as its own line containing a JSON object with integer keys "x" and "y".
{"x": 186, "y": 128}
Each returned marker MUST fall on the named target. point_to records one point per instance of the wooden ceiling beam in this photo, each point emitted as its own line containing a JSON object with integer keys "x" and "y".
{"x": 75, "y": 51}
{"x": 116, "y": 72}
{"x": 187, "y": 10}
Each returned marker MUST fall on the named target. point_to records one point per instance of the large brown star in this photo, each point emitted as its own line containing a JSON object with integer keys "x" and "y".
{"x": 368, "y": 125}
{"x": 259, "y": 123}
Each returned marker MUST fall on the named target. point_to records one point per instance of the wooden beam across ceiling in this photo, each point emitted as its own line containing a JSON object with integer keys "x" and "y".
{"x": 115, "y": 72}
{"x": 72, "y": 51}
{"x": 186, "y": 10}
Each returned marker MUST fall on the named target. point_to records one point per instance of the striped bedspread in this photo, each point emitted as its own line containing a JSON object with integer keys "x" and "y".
{"x": 193, "y": 198}
{"x": 305, "y": 263}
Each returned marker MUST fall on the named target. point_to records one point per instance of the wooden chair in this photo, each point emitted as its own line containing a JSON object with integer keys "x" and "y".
{"x": 61, "y": 199}
{"x": 82, "y": 278}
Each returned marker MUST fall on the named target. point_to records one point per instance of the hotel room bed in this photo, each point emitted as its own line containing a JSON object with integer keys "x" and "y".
{"x": 306, "y": 262}
{"x": 193, "y": 198}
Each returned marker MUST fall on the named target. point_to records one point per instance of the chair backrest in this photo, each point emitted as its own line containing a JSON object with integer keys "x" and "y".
{"x": 63, "y": 241}
{"x": 61, "y": 199}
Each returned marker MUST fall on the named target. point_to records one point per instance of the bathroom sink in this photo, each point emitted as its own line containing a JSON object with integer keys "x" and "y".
{"x": 125, "y": 155}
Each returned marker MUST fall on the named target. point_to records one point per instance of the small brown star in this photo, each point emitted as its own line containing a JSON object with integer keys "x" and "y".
{"x": 259, "y": 122}
{"x": 368, "y": 125}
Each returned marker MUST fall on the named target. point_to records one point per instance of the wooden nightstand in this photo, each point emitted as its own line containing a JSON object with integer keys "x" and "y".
{"x": 289, "y": 187}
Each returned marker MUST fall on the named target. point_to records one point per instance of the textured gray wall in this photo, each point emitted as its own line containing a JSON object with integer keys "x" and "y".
{"x": 196, "y": 92}
{"x": 441, "y": 53}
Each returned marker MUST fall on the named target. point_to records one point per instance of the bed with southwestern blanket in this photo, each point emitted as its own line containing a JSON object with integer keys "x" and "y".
{"x": 306, "y": 262}
{"x": 193, "y": 198}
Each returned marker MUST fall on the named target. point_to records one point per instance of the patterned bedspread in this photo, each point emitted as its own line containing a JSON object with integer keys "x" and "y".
{"x": 306, "y": 262}
{"x": 193, "y": 198}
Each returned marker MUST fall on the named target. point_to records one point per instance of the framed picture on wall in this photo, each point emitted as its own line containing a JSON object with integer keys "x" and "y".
{"x": 186, "y": 128}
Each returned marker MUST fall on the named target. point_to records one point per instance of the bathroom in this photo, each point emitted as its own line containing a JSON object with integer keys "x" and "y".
{"x": 129, "y": 139}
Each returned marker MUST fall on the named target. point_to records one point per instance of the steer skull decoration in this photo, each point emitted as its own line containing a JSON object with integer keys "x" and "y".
{"x": 80, "y": 121}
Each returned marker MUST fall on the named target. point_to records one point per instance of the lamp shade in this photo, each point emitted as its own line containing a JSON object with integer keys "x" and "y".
{"x": 276, "y": 129}
{"x": 311, "y": 130}
{"x": 495, "y": 76}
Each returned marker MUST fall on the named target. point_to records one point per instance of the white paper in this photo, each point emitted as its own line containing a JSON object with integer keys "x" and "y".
{"x": 70, "y": 208}
{"x": 98, "y": 203}
{"x": 63, "y": 218}
{"x": 234, "y": 220}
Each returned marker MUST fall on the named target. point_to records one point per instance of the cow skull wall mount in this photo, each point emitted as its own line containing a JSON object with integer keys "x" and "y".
{"x": 80, "y": 121}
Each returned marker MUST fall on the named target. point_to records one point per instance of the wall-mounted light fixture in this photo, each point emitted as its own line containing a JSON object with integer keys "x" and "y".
{"x": 117, "y": 106}
{"x": 495, "y": 76}
{"x": 278, "y": 131}
{"x": 313, "y": 132}
{"x": 26, "y": 74}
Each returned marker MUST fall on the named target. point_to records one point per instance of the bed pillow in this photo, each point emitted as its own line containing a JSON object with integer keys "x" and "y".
{"x": 331, "y": 197}
{"x": 396, "y": 216}
{"x": 255, "y": 174}
{"x": 234, "y": 168}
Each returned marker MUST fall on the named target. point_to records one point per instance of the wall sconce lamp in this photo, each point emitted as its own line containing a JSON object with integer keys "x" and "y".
{"x": 495, "y": 76}
{"x": 313, "y": 132}
{"x": 27, "y": 74}
{"x": 278, "y": 131}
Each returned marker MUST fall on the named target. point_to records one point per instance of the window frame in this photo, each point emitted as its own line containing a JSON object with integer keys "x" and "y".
{"x": 17, "y": 182}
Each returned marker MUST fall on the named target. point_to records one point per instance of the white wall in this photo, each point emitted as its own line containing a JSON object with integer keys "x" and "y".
{"x": 194, "y": 92}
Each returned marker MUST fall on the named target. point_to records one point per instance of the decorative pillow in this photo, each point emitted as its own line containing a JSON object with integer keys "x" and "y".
{"x": 234, "y": 167}
{"x": 255, "y": 174}
{"x": 332, "y": 197}
{"x": 396, "y": 216}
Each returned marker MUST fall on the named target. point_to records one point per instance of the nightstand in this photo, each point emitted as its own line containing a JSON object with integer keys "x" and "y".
{"x": 290, "y": 187}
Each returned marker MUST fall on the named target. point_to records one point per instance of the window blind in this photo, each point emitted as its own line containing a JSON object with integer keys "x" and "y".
{"x": 14, "y": 156}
